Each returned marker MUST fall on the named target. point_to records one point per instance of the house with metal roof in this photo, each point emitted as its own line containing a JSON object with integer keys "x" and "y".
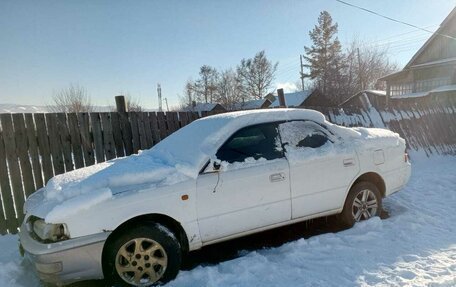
{"x": 205, "y": 107}
{"x": 365, "y": 99}
{"x": 301, "y": 99}
{"x": 253, "y": 104}
{"x": 430, "y": 73}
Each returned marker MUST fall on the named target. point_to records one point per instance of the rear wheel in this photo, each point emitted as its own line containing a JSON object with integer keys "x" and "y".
{"x": 147, "y": 255}
{"x": 363, "y": 202}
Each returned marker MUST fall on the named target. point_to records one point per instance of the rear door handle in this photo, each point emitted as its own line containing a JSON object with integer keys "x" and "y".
{"x": 349, "y": 162}
{"x": 277, "y": 177}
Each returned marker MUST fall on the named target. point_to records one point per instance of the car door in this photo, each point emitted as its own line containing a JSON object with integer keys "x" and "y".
{"x": 250, "y": 189}
{"x": 321, "y": 167}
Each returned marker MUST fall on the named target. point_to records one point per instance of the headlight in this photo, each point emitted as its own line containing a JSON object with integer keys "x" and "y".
{"x": 52, "y": 232}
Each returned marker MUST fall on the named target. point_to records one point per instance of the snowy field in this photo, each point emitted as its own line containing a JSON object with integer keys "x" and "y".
{"x": 415, "y": 246}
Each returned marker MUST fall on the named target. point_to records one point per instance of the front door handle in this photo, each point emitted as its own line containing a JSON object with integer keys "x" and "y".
{"x": 277, "y": 177}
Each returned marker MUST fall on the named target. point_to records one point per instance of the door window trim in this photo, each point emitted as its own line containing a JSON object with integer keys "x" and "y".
{"x": 205, "y": 166}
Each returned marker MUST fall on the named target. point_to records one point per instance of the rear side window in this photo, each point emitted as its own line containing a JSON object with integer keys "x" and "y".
{"x": 258, "y": 141}
{"x": 302, "y": 134}
{"x": 313, "y": 140}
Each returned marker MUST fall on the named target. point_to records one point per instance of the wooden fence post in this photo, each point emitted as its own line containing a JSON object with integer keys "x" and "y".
{"x": 125, "y": 125}
{"x": 281, "y": 96}
{"x": 121, "y": 104}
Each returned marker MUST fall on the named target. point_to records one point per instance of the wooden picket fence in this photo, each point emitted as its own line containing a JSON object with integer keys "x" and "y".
{"x": 35, "y": 147}
{"x": 430, "y": 128}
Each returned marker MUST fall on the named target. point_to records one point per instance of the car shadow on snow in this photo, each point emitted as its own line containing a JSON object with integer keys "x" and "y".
{"x": 216, "y": 253}
{"x": 224, "y": 251}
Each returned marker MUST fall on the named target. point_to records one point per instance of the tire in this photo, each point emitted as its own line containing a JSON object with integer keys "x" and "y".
{"x": 147, "y": 255}
{"x": 364, "y": 201}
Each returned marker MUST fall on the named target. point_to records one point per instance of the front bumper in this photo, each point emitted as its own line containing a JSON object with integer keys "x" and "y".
{"x": 67, "y": 261}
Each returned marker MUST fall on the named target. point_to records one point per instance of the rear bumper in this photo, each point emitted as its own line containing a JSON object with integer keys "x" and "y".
{"x": 66, "y": 261}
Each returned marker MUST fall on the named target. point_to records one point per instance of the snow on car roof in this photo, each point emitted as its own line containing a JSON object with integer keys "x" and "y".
{"x": 189, "y": 148}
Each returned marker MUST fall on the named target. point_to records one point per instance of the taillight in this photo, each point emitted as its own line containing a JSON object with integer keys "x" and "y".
{"x": 406, "y": 157}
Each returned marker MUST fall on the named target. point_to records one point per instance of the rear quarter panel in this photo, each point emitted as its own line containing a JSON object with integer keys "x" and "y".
{"x": 393, "y": 169}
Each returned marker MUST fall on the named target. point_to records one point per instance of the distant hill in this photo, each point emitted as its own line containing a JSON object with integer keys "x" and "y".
{"x": 13, "y": 108}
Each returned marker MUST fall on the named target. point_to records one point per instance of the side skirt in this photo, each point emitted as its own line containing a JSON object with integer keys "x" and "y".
{"x": 256, "y": 230}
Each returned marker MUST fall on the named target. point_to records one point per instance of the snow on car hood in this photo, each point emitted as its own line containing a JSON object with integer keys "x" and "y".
{"x": 177, "y": 158}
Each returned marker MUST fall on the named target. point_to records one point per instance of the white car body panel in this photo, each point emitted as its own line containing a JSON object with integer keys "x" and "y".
{"x": 235, "y": 201}
{"x": 207, "y": 217}
{"x": 217, "y": 205}
{"x": 319, "y": 182}
{"x": 314, "y": 191}
{"x": 130, "y": 204}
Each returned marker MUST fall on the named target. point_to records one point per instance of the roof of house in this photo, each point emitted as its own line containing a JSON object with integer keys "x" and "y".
{"x": 389, "y": 76}
{"x": 203, "y": 107}
{"x": 295, "y": 99}
{"x": 434, "y": 35}
{"x": 373, "y": 92}
{"x": 410, "y": 64}
{"x": 417, "y": 66}
{"x": 435, "y": 63}
{"x": 250, "y": 105}
{"x": 436, "y": 91}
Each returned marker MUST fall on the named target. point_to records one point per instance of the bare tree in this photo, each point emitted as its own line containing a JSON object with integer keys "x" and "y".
{"x": 189, "y": 92}
{"x": 133, "y": 104}
{"x": 205, "y": 86}
{"x": 189, "y": 96}
{"x": 229, "y": 90}
{"x": 365, "y": 65}
{"x": 256, "y": 75}
{"x": 73, "y": 99}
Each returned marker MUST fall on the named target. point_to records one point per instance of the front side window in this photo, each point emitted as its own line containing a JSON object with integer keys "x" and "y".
{"x": 258, "y": 141}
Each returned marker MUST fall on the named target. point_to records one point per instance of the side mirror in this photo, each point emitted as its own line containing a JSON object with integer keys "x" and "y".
{"x": 216, "y": 165}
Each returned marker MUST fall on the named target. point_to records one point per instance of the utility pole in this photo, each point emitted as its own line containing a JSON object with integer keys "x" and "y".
{"x": 166, "y": 101}
{"x": 302, "y": 72}
{"x": 159, "y": 92}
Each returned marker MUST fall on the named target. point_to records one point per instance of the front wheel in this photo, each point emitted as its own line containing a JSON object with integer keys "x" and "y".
{"x": 363, "y": 202}
{"x": 146, "y": 255}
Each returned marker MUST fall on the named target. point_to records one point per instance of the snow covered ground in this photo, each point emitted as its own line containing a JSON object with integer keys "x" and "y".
{"x": 415, "y": 246}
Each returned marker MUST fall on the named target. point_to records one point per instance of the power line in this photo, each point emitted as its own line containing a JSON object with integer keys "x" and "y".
{"x": 398, "y": 35}
{"x": 394, "y": 20}
{"x": 398, "y": 41}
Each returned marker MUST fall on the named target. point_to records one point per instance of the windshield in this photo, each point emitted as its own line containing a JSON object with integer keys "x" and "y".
{"x": 192, "y": 144}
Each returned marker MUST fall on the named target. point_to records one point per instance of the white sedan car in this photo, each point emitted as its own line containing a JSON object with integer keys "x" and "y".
{"x": 131, "y": 220}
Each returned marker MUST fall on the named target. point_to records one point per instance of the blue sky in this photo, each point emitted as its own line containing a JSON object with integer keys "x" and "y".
{"x": 114, "y": 47}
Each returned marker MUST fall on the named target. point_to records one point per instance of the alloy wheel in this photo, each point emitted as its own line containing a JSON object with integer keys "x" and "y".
{"x": 141, "y": 262}
{"x": 365, "y": 205}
